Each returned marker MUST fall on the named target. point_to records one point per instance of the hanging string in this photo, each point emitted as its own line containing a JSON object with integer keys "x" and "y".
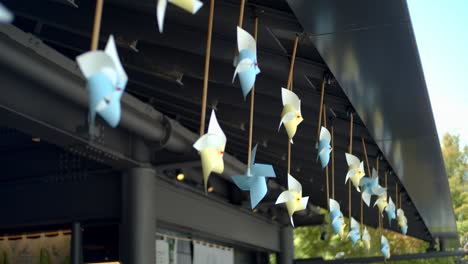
{"x": 252, "y": 101}
{"x": 207, "y": 68}
{"x": 97, "y": 24}
{"x": 380, "y": 215}
{"x": 241, "y": 14}
{"x": 399, "y": 200}
{"x": 333, "y": 161}
{"x": 326, "y": 168}
{"x": 350, "y": 151}
{"x": 321, "y": 109}
{"x": 396, "y": 194}
{"x": 369, "y": 172}
{"x": 289, "y": 86}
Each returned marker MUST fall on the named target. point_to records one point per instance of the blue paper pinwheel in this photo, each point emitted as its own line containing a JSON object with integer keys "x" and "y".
{"x": 385, "y": 247}
{"x": 255, "y": 179}
{"x": 354, "y": 232}
{"x": 5, "y": 15}
{"x": 247, "y": 66}
{"x": 370, "y": 186}
{"x": 324, "y": 147}
{"x": 390, "y": 210}
{"x": 106, "y": 82}
{"x": 336, "y": 217}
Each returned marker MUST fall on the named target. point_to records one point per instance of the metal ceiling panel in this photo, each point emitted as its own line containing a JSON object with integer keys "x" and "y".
{"x": 370, "y": 48}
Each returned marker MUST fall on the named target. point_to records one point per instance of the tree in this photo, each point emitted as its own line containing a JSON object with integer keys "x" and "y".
{"x": 456, "y": 167}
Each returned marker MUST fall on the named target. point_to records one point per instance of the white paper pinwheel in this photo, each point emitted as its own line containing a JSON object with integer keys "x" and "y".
{"x": 370, "y": 186}
{"x": 293, "y": 198}
{"x": 254, "y": 179}
{"x": 355, "y": 170}
{"x": 390, "y": 210}
{"x": 336, "y": 218}
{"x": 106, "y": 81}
{"x": 5, "y": 15}
{"x": 324, "y": 147}
{"x": 366, "y": 239}
{"x": 354, "y": 232}
{"x": 191, "y": 6}
{"x": 291, "y": 115}
{"x": 385, "y": 247}
{"x": 381, "y": 202}
{"x": 402, "y": 221}
{"x": 246, "y": 63}
{"x": 211, "y": 148}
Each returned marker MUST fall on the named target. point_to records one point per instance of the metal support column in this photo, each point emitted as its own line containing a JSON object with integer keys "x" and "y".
{"x": 138, "y": 226}
{"x": 286, "y": 255}
{"x": 76, "y": 244}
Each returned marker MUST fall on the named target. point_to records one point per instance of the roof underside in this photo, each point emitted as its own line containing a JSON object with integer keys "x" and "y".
{"x": 167, "y": 72}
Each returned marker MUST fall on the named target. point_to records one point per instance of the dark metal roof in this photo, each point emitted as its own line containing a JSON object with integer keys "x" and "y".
{"x": 371, "y": 49}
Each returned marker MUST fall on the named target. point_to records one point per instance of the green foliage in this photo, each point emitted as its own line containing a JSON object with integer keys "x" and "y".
{"x": 456, "y": 166}
{"x": 44, "y": 257}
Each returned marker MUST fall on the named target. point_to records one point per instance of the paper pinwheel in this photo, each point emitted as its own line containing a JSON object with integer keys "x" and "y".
{"x": 370, "y": 186}
{"x": 355, "y": 170}
{"x": 354, "y": 232}
{"x": 381, "y": 202}
{"x": 366, "y": 239}
{"x": 385, "y": 247}
{"x": 106, "y": 82}
{"x": 390, "y": 210}
{"x": 293, "y": 197}
{"x": 337, "y": 219}
{"x": 324, "y": 148}
{"x": 291, "y": 116}
{"x": 402, "y": 221}
{"x": 5, "y": 15}
{"x": 211, "y": 148}
{"x": 246, "y": 63}
{"x": 255, "y": 179}
{"x": 191, "y": 6}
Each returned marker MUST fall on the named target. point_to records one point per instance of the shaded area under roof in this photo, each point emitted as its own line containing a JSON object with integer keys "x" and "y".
{"x": 371, "y": 50}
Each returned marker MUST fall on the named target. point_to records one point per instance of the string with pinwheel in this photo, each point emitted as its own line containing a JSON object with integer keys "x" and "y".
{"x": 105, "y": 77}
{"x": 254, "y": 179}
{"x": 291, "y": 117}
{"x": 212, "y": 144}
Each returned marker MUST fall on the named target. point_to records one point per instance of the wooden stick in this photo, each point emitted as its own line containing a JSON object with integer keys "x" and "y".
{"x": 289, "y": 157}
{"x": 289, "y": 86}
{"x": 351, "y": 123}
{"x": 326, "y": 168}
{"x": 396, "y": 193}
{"x": 293, "y": 61}
{"x": 367, "y": 158}
{"x": 321, "y": 109}
{"x": 97, "y": 24}
{"x": 241, "y": 14}
{"x": 333, "y": 161}
{"x": 350, "y": 151}
{"x": 362, "y": 215}
{"x": 252, "y": 101}
{"x": 207, "y": 68}
{"x": 380, "y": 215}
{"x": 386, "y": 186}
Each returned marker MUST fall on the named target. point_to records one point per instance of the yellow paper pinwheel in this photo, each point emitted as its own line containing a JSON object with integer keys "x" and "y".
{"x": 293, "y": 197}
{"x": 211, "y": 148}
{"x": 381, "y": 202}
{"x": 291, "y": 116}
{"x": 191, "y": 6}
{"x": 355, "y": 170}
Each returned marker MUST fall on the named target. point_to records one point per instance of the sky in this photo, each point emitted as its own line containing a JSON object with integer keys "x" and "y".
{"x": 441, "y": 29}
